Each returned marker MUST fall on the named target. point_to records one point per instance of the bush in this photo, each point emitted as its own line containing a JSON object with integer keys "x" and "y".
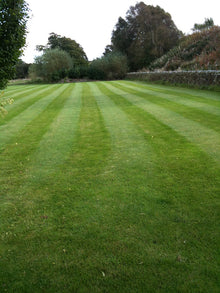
{"x": 52, "y": 66}
{"x": 21, "y": 69}
{"x": 172, "y": 64}
{"x": 110, "y": 66}
{"x": 74, "y": 72}
{"x": 97, "y": 69}
{"x": 199, "y": 51}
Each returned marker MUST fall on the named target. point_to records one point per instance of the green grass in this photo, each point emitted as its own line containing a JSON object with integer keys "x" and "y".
{"x": 109, "y": 187}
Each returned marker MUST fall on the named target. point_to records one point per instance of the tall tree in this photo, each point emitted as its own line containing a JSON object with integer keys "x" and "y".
{"x": 208, "y": 23}
{"x": 146, "y": 34}
{"x": 68, "y": 45}
{"x": 13, "y": 20}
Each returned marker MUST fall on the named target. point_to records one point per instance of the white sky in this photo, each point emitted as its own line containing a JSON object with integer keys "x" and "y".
{"x": 90, "y": 22}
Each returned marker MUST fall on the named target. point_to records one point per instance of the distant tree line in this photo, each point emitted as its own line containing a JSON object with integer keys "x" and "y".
{"x": 143, "y": 36}
{"x": 64, "y": 58}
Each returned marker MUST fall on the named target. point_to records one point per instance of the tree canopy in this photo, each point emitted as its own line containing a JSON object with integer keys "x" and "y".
{"x": 52, "y": 65}
{"x": 110, "y": 66}
{"x": 208, "y": 23}
{"x": 147, "y": 33}
{"x": 68, "y": 45}
{"x": 13, "y": 20}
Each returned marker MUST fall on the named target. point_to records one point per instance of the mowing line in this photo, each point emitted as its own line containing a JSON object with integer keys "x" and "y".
{"x": 56, "y": 144}
{"x": 22, "y": 104}
{"x": 176, "y": 99}
{"x": 25, "y": 97}
{"x": 128, "y": 143}
{"x": 206, "y": 119}
{"x": 18, "y": 93}
{"x": 17, "y": 90}
{"x": 206, "y": 139}
{"x": 12, "y": 128}
{"x": 91, "y": 146}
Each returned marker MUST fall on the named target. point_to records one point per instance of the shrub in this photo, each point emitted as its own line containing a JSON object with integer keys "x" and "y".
{"x": 110, "y": 66}
{"x": 198, "y": 51}
{"x": 21, "y": 69}
{"x": 52, "y": 66}
{"x": 172, "y": 64}
{"x": 74, "y": 72}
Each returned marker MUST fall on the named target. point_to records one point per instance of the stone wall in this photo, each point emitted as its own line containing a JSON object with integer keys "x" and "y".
{"x": 197, "y": 78}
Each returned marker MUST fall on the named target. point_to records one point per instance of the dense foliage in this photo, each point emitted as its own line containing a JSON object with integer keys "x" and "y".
{"x": 13, "y": 20}
{"x": 51, "y": 66}
{"x": 200, "y": 50}
{"x": 68, "y": 45}
{"x": 62, "y": 57}
{"x": 147, "y": 33}
{"x": 21, "y": 69}
{"x": 208, "y": 23}
{"x": 56, "y": 64}
{"x": 110, "y": 66}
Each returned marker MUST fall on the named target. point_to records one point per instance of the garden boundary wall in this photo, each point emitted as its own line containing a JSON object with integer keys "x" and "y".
{"x": 197, "y": 78}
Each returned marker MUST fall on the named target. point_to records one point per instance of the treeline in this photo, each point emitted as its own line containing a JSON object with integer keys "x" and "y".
{"x": 145, "y": 34}
{"x": 146, "y": 37}
{"x": 64, "y": 58}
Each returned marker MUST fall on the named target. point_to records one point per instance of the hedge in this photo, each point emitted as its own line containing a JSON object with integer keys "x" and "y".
{"x": 197, "y": 78}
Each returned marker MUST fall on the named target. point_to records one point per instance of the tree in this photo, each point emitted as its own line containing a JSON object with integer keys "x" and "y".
{"x": 13, "y": 20}
{"x": 68, "y": 45}
{"x": 110, "y": 66}
{"x": 108, "y": 49}
{"x": 21, "y": 69}
{"x": 52, "y": 65}
{"x": 208, "y": 23}
{"x": 147, "y": 33}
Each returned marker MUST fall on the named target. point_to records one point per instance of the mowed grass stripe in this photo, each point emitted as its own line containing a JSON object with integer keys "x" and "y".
{"x": 206, "y": 139}
{"x": 18, "y": 93}
{"x": 128, "y": 143}
{"x": 64, "y": 188}
{"x": 178, "y": 99}
{"x": 147, "y": 195}
{"x": 204, "y": 96}
{"x": 128, "y": 172}
{"x": 12, "y": 128}
{"x": 133, "y": 198}
{"x": 92, "y": 144}
{"x": 17, "y": 154}
{"x": 170, "y": 150}
{"x": 16, "y": 90}
{"x": 206, "y": 119}
{"x": 56, "y": 144}
{"x": 23, "y": 103}
{"x": 26, "y": 92}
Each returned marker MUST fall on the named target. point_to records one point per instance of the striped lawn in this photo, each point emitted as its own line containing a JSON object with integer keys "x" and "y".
{"x": 109, "y": 187}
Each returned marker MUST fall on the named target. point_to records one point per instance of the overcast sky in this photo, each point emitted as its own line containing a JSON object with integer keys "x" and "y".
{"x": 90, "y": 22}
